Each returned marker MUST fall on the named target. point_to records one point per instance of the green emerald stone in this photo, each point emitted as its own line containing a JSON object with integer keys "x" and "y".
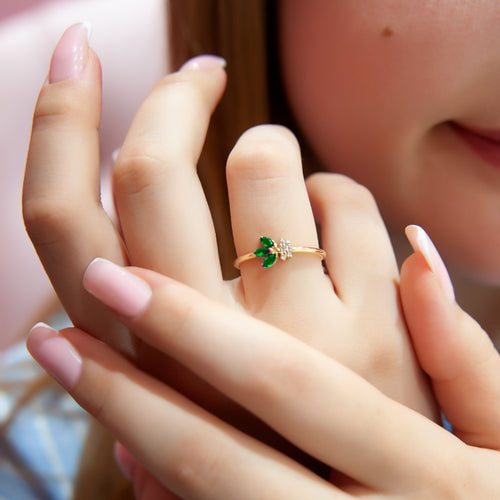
{"x": 266, "y": 242}
{"x": 261, "y": 252}
{"x": 270, "y": 260}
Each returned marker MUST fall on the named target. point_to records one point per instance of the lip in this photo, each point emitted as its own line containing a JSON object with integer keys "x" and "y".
{"x": 485, "y": 143}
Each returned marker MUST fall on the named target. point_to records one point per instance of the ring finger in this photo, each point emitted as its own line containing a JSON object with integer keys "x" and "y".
{"x": 268, "y": 197}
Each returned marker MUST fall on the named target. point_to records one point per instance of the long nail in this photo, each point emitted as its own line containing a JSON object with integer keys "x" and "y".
{"x": 55, "y": 354}
{"x": 116, "y": 287}
{"x": 421, "y": 243}
{"x": 205, "y": 62}
{"x": 71, "y": 54}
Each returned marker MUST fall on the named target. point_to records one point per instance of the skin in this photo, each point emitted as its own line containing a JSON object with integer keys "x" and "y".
{"x": 265, "y": 161}
{"x": 198, "y": 456}
{"x": 374, "y": 87}
{"x": 155, "y": 173}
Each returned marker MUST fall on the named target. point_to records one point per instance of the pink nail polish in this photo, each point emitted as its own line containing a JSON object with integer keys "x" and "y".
{"x": 116, "y": 287}
{"x": 55, "y": 354}
{"x": 204, "y": 62}
{"x": 71, "y": 54}
{"x": 421, "y": 242}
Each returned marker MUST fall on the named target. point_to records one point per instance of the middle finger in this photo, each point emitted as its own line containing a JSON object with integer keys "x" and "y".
{"x": 165, "y": 218}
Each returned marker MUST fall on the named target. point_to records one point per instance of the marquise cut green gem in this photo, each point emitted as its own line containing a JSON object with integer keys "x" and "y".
{"x": 270, "y": 260}
{"x": 261, "y": 252}
{"x": 266, "y": 242}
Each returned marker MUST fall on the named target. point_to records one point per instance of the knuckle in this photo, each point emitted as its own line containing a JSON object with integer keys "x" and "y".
{"x": 135, "y": 173}
{"x": 67, "y": 104}
{"x": 264, "y": 152}
{"x": 383, "y": 364}
{"x": 339, "y": 190}
{"x": 49, "y": 220}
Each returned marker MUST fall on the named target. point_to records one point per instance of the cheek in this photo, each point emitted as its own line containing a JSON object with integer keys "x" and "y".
{"x": 372, "y": 92}
{"x": 336, "y": 92}
{"x": 362, "y": 90}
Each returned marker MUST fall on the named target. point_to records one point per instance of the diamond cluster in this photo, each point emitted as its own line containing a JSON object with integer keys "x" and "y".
{"x": 284, "y": 249}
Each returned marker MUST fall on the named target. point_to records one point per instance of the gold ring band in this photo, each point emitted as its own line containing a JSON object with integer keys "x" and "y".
{"x": 270, "y": 252}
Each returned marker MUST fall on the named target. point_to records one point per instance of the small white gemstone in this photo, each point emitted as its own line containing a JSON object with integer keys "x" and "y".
{"x": 284, "y": 249}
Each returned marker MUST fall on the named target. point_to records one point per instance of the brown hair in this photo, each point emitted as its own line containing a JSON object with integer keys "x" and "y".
{"x": 238, "y": 31}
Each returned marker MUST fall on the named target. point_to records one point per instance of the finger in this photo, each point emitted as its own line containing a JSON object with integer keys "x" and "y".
{"x": 61, "y": 206}
{"x": 453, "y": 349}
{"x": 268, "y": 198}
{"x": 165, "y": 218}
{"x": 362, "y": 267}
{"x": 146, "y": 486}
{"x": 303, "y": 394}
{"x": 191, "y": 452}
{"x": 359, "y": 252}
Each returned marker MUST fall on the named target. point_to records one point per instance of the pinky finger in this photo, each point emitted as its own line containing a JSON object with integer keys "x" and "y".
{"x": 194, "y": 454}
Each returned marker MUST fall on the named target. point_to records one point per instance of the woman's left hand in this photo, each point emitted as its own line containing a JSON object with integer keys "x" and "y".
{"x": 380, "y": 448}
{"x": 353, "y": 314}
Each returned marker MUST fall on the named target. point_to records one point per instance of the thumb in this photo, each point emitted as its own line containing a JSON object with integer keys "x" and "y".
{"x": 451, "y": 347}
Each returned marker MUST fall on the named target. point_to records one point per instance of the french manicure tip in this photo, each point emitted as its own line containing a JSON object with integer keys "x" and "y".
{"x": 204, "y": 62}
{"x": 40, "y": 324}
{"x": 88, "y": 28}
{"x": 421, "y": 242}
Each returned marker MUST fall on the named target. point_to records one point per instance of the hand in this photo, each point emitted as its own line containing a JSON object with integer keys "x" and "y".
{"x": 352, "y": 314}
{"x": 381, "y": 448}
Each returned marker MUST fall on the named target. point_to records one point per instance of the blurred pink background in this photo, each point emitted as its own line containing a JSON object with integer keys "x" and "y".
{"x": 130, "y": 38}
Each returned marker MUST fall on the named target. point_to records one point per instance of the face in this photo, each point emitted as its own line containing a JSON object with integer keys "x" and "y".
{"x": 404, "y": 97}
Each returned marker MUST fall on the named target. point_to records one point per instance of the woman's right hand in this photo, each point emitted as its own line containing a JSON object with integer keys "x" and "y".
{"x": 381, "y": 448}
{"x": 352, "y": 314}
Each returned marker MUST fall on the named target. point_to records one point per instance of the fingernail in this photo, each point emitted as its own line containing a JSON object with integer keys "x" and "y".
{"x": 116, "y": 287}
{"x": 55, "y": 354}
{"x": 125, "y": 460}
{"x": 114, "y": 155}
{"x": 421, "y": 243}
{"x": 71, "y": 53}
{"x": 205, "y": 62}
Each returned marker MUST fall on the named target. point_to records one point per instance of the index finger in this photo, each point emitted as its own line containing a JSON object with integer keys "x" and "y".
{"x": 61, "y": 198}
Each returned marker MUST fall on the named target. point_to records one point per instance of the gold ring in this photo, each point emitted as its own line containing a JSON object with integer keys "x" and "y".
{"x": 270, "y": 252}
